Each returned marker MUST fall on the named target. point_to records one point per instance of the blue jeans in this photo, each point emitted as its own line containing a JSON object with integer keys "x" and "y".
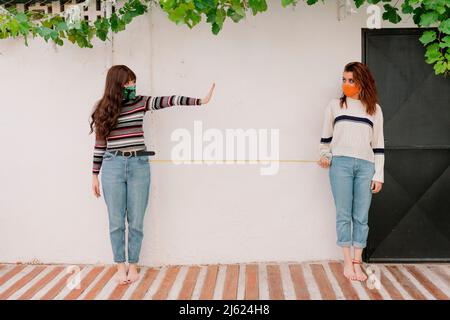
{"x": 350, "y": 183}
{"x": 126, "y": 186}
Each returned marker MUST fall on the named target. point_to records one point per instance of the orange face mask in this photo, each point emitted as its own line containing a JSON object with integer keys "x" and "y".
{"x": 350, "y": 90}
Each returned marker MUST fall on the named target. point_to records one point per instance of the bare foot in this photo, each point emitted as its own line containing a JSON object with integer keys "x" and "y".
{"x": 360, "y": 274}
{"x": 133, "y": 273}
{"x": 121, "y": 275}
{"x": 349, "y": 272}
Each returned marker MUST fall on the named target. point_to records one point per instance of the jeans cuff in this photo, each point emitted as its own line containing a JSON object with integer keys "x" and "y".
{"x": 359, "y": 245}
{"x": 344, "y": 244}
{"x": 119, "y": 261}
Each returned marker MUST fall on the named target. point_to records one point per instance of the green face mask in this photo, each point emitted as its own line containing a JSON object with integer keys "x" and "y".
{"x": 129, "y": 93}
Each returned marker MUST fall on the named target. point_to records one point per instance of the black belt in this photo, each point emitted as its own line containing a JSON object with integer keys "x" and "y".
{"x": 133, "y": 153}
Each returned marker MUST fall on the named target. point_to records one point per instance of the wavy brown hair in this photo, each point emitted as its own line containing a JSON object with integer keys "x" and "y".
{"x": 364, "y": 79}
{"x": 107, "y": 109}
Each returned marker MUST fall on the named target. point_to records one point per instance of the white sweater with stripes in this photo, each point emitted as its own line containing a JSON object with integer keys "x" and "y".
{"x": 352, "y": 132}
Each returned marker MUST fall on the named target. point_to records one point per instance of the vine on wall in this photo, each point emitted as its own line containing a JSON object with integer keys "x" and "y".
{"x": 69, "y": 25}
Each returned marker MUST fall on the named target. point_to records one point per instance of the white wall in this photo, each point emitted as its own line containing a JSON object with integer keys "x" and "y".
{"x": 275, "y": 70}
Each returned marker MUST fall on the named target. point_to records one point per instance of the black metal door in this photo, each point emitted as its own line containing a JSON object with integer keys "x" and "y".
{"x": 409, "y": 220}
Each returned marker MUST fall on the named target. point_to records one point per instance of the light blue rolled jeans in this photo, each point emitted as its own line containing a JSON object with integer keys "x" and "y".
{"x": 350, "y": 180}
{"x": 126, "y": 186}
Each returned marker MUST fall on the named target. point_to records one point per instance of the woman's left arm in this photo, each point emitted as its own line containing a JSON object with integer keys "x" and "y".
{"x": 161, "y": 102}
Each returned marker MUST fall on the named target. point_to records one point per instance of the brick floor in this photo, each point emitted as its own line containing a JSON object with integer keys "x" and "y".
{"x": 312, "y": 280}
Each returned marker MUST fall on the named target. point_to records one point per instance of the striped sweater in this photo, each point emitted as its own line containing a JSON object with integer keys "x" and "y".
{"x": 128, "y": 134}
{"x": 352, "y": 132}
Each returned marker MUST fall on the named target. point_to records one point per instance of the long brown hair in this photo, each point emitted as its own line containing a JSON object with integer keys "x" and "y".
{"x": 364, "y": 79}
{"x": 107, "y": 109}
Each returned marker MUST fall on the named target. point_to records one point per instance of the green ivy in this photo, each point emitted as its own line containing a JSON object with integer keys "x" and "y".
{"x": 425, "y": 13}
{"x": 55, "y": 27}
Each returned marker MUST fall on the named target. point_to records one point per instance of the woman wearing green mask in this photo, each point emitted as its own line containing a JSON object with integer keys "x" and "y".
{"x": 121, "y": 155}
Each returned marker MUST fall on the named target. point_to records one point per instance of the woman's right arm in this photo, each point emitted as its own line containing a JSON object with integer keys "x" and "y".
{"x": 161, "y": 102}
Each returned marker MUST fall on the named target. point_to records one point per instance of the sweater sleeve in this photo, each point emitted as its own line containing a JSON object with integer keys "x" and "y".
{"x": 378, "y": 145}
{"x": 156, "y": 103}
{"x": 99, "y": 150}
{"x": 327, "y": 133}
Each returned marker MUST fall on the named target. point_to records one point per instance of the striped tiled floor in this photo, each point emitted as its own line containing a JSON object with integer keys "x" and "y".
{"x": 314, "y": 280}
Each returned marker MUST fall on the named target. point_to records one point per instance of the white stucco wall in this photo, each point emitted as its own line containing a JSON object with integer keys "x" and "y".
{"x": 275, "y": 70}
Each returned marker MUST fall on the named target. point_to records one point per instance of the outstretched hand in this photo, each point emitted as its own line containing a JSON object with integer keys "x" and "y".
{"x": 206, "y": 99}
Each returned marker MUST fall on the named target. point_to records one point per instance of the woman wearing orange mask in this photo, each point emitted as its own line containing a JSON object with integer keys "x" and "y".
{"x": 352, "y": 146}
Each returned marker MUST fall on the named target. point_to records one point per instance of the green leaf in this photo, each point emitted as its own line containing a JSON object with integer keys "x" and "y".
{"x": 257, "y": 6}
{"x": 417, "y": 13}
{"x": 286, "y": 3}
{"x": 211, "y": 16}
{"x": 407, "y": 8}
{"x": 432, "y": 53}
{"x": 44, "y": 31}
{"x": 445, "y": 26}
{"x": 445, "y": 42}
{"x": 220, "y": 17}
{"x": 238, "y": 7}
{"x": 21, "y": 17}
{"x": 178, "y": 14}
{"x": 24, "y": 27}
{"x": 59, "y": 41}
{"x": 204, "y": 5}
{"x": 116, "y": 23}
{"x": 391, "y": 14}
{"x": 428, "y": 18}
{"x": 215, "y": 28}
{"x": 236, "y": 17}
{"x": 359, "y": 3}
{"x": 440, "y": 67}
{"x": 435, "y": 5}
{"x": 61, "y": 26}
{"x": 13, "y": 27}
{"x": 127, "y": 17}
{"x": 101, "y": 28}
{"x": 427, "y": 37}
{"x": 192, "y": 18}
